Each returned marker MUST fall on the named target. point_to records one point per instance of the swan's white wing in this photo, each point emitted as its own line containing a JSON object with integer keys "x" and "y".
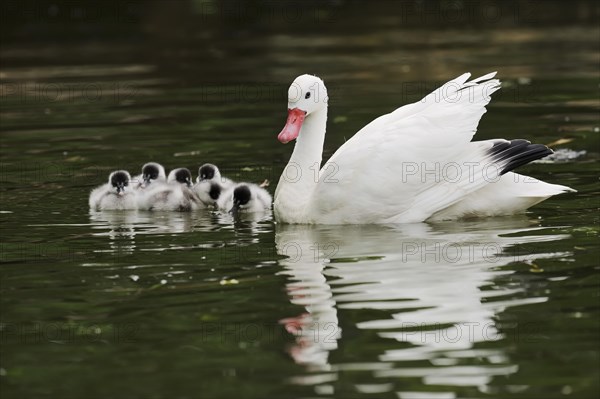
{"x": 417, "y": 160}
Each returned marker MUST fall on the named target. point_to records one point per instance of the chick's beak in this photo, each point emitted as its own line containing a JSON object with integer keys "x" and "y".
{"x": 235, "y": 208}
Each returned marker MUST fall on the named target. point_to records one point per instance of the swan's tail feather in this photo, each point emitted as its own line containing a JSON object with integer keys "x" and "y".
{"x": 515, "y": 153}
{"x": 485, "y": 77}
{"x": 512, "y": 194}
{"x": 531, "y": 187}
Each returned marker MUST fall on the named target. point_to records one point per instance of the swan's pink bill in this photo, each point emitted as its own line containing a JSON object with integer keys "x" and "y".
{"x": 292, "y": 127}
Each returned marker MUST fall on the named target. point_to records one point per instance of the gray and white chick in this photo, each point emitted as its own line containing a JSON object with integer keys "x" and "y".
{"x": 174, "y": 195}
{"x": 151, "y": 172}
{"x": 210, "y": 185}
{"x": 246, "y": 198}
{"x": 117, "y": 194}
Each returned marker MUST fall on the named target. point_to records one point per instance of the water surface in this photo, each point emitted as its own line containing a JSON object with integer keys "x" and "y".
{"x": 200, "y": 305}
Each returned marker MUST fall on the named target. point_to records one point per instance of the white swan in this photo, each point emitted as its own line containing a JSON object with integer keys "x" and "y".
{"x": 117, "y": 194}
{"x": 151, "y": 172}
{"x": 210, "y": 184}
{"x": 414, "y": 164}
{"x": 245, "y": 197}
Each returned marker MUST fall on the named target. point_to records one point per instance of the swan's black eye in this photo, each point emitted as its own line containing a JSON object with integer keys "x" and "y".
{"x": 307, "y": 96}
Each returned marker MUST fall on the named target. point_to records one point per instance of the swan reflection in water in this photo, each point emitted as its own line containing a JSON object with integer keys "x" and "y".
{"x": 434, "y": 283}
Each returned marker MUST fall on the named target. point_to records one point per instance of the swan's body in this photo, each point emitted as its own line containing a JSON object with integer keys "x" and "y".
{"x": 245, "y": 197}
{"x": 174, "y": 195}
{"x": 415, "y": 164}
{"x": 151, "y": 172}
{"x": 117, "y": 194}
{"x": 210, "y": 185}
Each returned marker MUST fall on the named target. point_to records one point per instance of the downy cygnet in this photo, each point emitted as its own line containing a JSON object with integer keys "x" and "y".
{"x": 174, "y": 195}
{"x": 210, "y": 184}
{"x": 245, "y": 197}
{"x": 117, "y": 194}
{"x": 151, "y": 172}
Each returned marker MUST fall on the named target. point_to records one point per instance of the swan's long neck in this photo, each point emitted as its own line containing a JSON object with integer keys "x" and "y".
{"x": 301, "y": 175}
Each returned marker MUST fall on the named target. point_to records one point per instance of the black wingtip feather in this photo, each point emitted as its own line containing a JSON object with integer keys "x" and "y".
{"x": 517, "y": 153}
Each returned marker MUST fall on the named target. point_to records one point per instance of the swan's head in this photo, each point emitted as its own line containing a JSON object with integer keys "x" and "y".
{"x": 306, "y": 95}
{"x": 208, "y": 171}
{"x": 180, "y": 175}
{"x": 153, "y": 171}
{"x": 241, "y": 198}
{"x": 119, "y": 181}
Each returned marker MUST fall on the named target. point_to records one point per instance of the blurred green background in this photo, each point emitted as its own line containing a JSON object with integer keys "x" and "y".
{"x": 202, "y": 306}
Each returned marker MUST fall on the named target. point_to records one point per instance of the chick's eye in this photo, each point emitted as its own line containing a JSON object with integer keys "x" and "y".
{"x": 307, "y": 96}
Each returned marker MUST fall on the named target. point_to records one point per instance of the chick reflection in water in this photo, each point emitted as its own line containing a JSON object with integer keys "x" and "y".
{"x": 117, "y": 225}
{"x": 435, "y": 283}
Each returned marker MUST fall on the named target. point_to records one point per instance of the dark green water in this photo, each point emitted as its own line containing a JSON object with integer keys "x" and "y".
{"x": 198, "y": 305}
